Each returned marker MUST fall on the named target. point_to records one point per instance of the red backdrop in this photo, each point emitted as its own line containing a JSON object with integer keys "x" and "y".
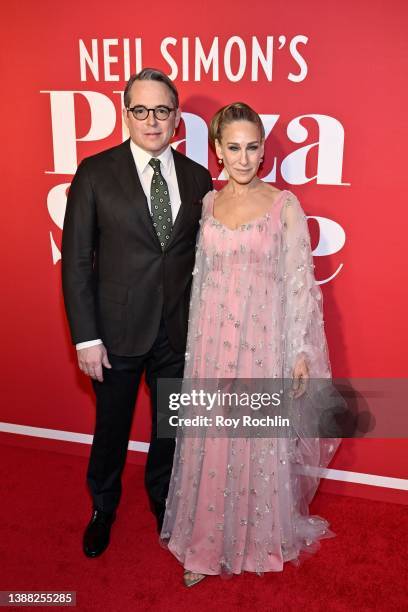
{"x": 329, "y": 80}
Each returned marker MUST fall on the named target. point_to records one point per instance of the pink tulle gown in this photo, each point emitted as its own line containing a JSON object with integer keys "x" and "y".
{"x": 242, "y": 504}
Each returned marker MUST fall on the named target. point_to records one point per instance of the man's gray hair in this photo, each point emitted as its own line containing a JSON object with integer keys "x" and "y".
{"x": 151, "y": 74}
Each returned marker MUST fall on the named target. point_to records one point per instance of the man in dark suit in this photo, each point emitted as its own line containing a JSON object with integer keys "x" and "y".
{"x": 128, "y": 251}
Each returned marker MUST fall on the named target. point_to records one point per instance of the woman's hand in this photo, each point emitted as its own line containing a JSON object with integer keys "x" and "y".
{"x": 300, "y": 376}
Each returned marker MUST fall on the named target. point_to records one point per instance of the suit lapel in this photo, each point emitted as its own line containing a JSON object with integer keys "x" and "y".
{"x": 186, "y": 194}
{"x": 128, "y": 178}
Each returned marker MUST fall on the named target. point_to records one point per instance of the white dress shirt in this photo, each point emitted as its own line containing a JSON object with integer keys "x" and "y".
{"x": 145, "y": 173}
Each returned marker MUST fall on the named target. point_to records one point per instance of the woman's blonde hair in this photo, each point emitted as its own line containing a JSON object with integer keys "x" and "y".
{"x": 237, "y": 111}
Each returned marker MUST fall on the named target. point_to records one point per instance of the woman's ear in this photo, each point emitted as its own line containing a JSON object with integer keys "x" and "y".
{"x": 218, "y": 148}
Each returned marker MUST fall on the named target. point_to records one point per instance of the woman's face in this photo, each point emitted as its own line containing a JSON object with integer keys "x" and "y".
{"x": 241, "y": 149}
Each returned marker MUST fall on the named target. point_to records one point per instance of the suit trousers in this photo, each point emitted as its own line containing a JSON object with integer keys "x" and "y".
{"x": 115, "y": 403}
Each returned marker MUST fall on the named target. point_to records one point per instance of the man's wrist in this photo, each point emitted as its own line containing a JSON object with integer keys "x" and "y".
{"x": 88, "y": 344}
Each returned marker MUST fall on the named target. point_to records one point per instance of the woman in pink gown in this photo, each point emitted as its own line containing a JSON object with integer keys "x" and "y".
{"x": 241, "y": 504}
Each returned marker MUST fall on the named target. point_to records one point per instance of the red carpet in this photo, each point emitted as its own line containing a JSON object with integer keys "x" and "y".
{"x": 44, "y": 508}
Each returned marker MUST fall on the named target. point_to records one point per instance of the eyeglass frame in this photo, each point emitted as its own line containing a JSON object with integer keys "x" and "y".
{"x": 132, "y": 108}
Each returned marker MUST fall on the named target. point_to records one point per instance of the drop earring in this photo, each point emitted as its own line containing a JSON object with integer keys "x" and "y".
{"x": 220, "y": 161}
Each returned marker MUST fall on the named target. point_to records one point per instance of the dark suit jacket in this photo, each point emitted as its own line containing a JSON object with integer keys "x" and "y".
{"x": 117, "y": 281}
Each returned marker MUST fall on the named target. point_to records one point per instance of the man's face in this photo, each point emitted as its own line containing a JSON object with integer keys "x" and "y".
{"x": 151, "y": 134}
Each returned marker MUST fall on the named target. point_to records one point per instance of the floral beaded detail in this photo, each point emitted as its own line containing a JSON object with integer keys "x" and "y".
{"x": 240, "y": 228}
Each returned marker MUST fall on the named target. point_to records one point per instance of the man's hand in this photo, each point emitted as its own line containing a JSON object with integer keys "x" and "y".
{"x": 300, "y": 377}
{"x": 90, "y": 361}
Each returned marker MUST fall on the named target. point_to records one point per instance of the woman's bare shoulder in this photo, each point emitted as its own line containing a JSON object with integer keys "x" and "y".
{"x": 267, "y": 187}
{"x": 270, "y": 192}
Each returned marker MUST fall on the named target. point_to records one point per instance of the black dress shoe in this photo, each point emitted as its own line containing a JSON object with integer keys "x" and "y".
{"x": 97, "y": 533}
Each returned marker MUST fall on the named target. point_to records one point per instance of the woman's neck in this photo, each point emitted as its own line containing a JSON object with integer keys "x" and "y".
{"x": 239, "y": 190}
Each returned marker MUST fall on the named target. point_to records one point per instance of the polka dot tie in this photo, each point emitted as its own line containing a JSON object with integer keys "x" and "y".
{"x": 160, "y": 204}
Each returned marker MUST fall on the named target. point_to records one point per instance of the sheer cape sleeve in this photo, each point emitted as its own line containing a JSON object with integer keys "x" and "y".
{"x": 302, "y": 298}
{"x": 303, "y": 335}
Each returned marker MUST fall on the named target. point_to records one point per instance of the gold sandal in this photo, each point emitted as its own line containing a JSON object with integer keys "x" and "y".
{"x": 189, "y": 581}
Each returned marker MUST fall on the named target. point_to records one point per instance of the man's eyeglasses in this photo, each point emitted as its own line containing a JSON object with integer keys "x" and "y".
{"x": 141, "y": 112}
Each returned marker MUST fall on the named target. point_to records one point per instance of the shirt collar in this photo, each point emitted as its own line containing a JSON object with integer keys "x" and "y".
{"x": 142, "y": 157}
